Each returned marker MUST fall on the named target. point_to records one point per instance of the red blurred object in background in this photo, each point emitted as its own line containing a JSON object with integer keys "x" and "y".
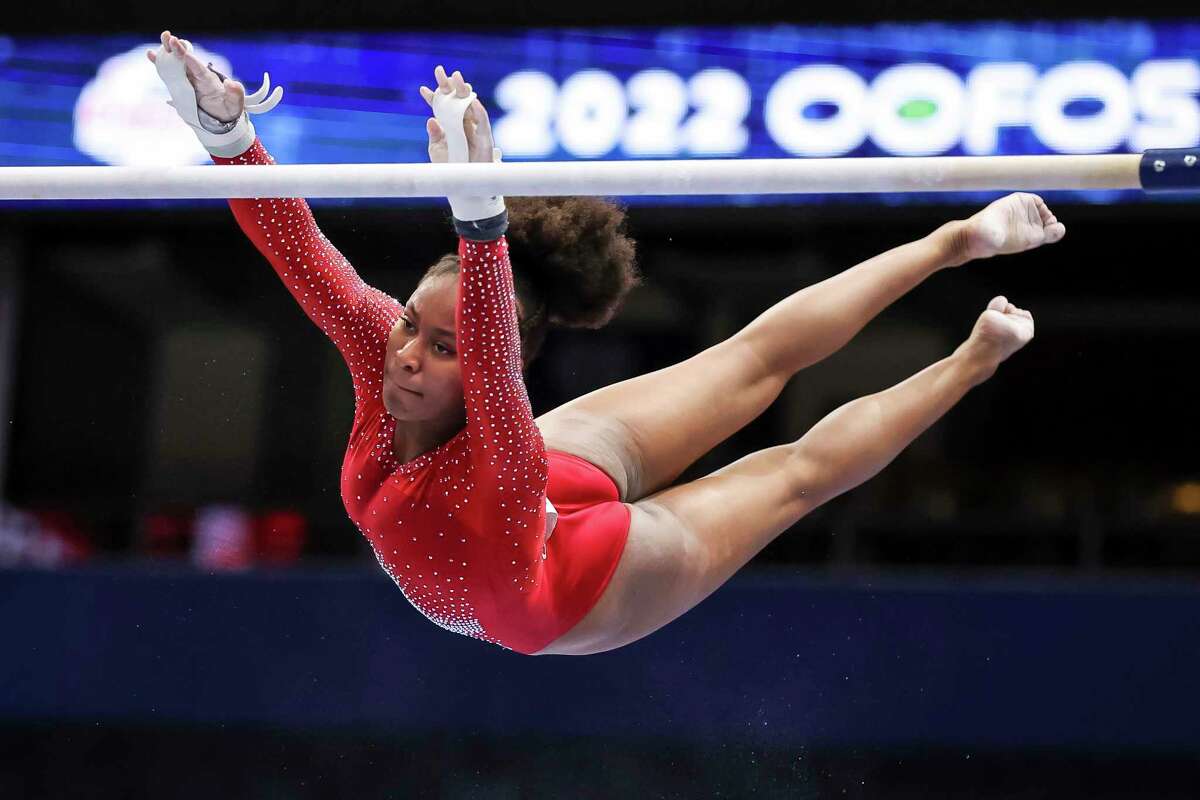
{"x": 281, "y": 535}
{"x": 165, "y": 534}
{"x": 60, "y": 526}
{"x": 41, "y": 538}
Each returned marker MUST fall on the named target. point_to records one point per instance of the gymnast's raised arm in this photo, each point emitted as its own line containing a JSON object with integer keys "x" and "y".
{"x": 495, "y": 399}
{"x": 354, "y": 315}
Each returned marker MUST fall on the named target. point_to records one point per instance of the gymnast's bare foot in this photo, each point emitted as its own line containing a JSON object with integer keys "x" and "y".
{"x": 1012, "y": 224}
{"x": 1001, "y": 330}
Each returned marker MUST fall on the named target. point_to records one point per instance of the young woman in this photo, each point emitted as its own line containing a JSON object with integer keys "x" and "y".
{"x": 564, "y": 535}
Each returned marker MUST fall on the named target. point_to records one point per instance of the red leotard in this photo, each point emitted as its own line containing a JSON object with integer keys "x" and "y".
{"x": 461, "y": 528}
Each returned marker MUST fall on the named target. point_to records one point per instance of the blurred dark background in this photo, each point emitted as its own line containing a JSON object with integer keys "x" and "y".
{"x": 165, "y": 394}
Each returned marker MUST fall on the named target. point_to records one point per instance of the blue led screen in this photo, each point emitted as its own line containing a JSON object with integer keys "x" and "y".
{"x": 755, "y": 92}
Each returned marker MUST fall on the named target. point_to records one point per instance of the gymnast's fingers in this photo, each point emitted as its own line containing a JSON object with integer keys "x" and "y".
{"x": 461, "y": 87}
{"x": 481, "y": 117}
{"x": 434, "y": 129}
{"x": 439, "y": 72}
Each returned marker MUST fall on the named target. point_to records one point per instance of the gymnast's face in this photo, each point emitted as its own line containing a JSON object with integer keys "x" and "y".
{"x": 421, "y": 379}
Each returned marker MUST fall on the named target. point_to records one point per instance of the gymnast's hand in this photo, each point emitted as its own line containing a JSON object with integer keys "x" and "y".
{"x": 1001, "y": 330}
{"x": 224, "y": 99}
{"x": 476, "y": 124}
{"x": 1011, "y": 224}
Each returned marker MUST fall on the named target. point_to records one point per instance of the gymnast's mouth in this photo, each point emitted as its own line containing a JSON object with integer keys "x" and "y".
{"x": 405, "y": 388}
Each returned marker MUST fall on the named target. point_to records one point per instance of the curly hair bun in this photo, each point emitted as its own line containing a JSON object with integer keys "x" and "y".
{"x": 575, "y": 252}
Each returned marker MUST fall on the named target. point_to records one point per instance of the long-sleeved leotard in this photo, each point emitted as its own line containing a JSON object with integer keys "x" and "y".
{"x": 461, "y": 529}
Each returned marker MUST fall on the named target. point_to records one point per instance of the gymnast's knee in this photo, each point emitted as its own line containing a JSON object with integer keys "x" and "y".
{"x": 808, "y": 483}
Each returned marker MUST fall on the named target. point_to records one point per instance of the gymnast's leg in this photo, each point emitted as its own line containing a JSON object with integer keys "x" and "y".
{"x": 647, "y": 430}
{"x": 686, "y": 541}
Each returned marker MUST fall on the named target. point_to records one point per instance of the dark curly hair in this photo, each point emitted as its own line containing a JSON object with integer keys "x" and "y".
{"x": 573, "y": 264}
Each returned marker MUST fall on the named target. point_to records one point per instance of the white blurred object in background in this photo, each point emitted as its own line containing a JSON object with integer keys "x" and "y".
{"x": 223, "y": 538}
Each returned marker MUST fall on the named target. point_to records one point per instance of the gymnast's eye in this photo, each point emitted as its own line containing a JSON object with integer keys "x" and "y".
{"x": 408, "y": 326}
{"x": 446, "y": 351}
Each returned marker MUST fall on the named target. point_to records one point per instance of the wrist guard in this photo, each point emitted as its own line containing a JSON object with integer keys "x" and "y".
{"x": 449, "y": 111}
{"x": 225, "y": 139}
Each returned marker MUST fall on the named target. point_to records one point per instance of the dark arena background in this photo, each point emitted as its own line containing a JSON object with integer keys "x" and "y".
{"x": 1011, "y": 609}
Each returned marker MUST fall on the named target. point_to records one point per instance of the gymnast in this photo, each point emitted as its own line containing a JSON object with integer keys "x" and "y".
{"x": 564, "y": 534}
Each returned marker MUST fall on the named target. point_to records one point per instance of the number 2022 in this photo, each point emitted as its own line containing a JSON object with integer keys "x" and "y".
{"x": 590, "y": 114}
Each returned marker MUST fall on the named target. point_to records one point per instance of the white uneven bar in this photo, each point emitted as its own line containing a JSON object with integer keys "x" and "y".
{"x": 609, "y": 178}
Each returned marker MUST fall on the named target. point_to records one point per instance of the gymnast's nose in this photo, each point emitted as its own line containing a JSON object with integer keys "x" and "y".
{"x": 408, "y": 357}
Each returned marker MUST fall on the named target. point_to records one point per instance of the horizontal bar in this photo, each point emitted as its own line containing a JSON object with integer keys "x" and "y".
{"x": 1170, "y": 171}
{"x": 609, "y": 178}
